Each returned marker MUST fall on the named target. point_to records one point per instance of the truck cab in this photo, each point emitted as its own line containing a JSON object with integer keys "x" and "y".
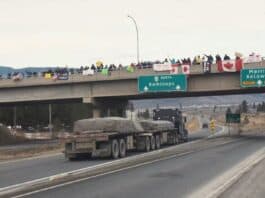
{"x": 175, "y": 116}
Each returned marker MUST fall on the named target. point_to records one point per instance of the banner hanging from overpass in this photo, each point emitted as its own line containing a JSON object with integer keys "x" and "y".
{"x": 162, "y": 83}
{"x": 252, "y": 77}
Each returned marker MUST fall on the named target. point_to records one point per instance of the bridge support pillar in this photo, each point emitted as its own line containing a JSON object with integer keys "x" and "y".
{"x": 96, "y": 113}
{"x": 108, "y": 107}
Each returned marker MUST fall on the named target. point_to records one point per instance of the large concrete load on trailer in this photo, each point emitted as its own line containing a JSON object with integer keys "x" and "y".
{"x": 113, "y": 137}
{"x": 110, "y": 124}
{"x": 161, "y": 125}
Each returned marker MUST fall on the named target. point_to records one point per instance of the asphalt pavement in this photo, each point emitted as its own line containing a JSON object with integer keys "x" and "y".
{"x": 176, "y": 177}
{"x": 26, "y": 170}
{"x": 250, "y": 185}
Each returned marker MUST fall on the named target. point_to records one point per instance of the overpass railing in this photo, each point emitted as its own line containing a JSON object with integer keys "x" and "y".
{"x": 114, "y": 75}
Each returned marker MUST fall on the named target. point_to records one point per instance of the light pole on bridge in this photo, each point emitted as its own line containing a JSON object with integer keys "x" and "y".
{"x": 137, "y": 38}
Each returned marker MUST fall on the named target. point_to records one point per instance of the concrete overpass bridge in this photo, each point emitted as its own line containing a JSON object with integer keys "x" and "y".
{"x": 115, "y": 90}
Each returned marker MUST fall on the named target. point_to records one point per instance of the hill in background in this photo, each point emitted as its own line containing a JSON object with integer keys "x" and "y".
{"x": 199, "y": 101}
{"x": 4, "y": 70}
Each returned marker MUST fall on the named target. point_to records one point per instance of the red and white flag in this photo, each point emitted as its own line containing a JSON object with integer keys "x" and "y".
{"x": 230, "y": 65}
{"x": 185, "y": 69}
{"x": 174, "y": 68}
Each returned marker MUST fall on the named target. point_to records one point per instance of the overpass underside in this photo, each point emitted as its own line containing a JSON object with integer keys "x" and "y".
{"x": 108, "y": 95}
{"x": 125, "y": 89}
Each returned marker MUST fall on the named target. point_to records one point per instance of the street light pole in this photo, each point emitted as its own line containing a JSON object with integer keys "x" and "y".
{"x": 137, "y": 35}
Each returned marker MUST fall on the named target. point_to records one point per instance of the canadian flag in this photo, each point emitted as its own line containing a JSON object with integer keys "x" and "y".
{"x": 230, "y": 65}
{"x": 174, "y": 68}
{"x": 185, "y": 69}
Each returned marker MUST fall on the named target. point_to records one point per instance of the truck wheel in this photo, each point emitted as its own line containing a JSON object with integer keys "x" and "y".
{"x": 72, "y": 158}
{"x": 153, "y": 143}
{"x": 147, "y": 144}
{"x": 158, "y": 141}
{"x": 174, "y": 139}
{"x": 115, "y": 149}
{"x": 122, "y": 147}
{"x": 177, "y": 139}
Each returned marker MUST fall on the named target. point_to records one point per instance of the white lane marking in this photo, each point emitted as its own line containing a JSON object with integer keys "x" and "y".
{"x": 217, "y": 186}
{"x": 31, "y": 158}
{"x": 119, "y": 170}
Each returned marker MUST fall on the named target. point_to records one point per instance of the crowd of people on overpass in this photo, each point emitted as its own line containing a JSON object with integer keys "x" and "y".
{"x": 105, "y": 69}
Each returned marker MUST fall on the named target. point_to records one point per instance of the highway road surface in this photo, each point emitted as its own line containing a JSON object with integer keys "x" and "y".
{"x": 175, "y": 177}
{"x": 26, "y": 170}
{"x": 250, "y": 185}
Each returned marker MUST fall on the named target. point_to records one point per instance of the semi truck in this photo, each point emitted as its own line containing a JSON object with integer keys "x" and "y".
{"x": 114, "y": 137}
{"x": 177, "y": 118}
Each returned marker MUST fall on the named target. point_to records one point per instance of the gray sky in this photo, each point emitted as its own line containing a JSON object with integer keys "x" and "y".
{"x": 80, "y": 32}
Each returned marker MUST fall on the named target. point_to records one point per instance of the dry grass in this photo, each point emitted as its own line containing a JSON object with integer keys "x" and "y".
{"x": 256, "y": 123}
{"x": 193, "y": 125}
{"x": 11, "y": 154}
{"x": 6, "y": 138}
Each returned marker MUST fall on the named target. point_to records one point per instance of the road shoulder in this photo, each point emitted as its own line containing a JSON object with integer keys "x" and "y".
{"x": 249, "y": 185}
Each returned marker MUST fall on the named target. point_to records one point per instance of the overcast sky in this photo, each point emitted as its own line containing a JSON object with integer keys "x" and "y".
{"x": 80, "y": 32}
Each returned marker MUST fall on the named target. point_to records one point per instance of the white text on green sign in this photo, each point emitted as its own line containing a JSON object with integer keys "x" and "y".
{"x": 162, "y": 83}
{"x": 252, "y": 77}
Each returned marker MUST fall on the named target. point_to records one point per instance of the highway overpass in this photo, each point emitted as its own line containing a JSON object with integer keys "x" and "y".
{"x": 119, "y": 87}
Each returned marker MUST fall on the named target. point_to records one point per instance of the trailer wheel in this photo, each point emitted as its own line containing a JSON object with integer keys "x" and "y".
{"x": 158, "y": 141}
{"x": 177, "y": 139}
{"x": 115, "y": 149}
{"x": 153, "y": 143}
{"x": 72, "y": 158}
{"x": 122, "y": 147}
{"x": 174, "y": 139}
{"x": 147, "y": 144}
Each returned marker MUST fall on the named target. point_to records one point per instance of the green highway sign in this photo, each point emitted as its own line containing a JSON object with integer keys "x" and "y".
{"x": 233, "y": 118}
{"x": 162, "y": 83}
{"x": 252, "y": 77}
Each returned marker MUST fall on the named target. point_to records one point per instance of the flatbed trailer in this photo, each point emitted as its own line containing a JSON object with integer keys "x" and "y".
{"x": 115, "y": 144}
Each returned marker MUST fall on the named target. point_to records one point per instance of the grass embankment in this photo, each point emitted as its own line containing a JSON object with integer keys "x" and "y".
{"x": 250, "y": 123}
{"x": 19, "y": 147}
{"x": 253, "y": 123}
{"x": 6, "y": 138}
{"x": 12, "y": 154}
